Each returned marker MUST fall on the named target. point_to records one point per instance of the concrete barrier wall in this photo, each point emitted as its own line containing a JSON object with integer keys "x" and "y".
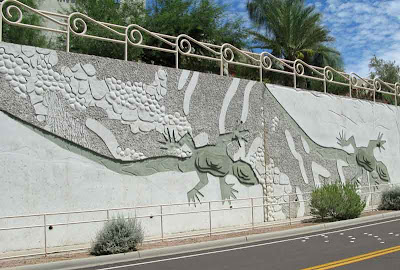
{"x": 314, "y": 138}
{"x": 80, "y": 132}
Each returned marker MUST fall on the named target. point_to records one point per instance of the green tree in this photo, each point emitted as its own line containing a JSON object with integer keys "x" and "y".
{"x": 22, "y": 35}
{"x": 203, "y": 20}
{"x": 292, "y": 30}
{"x": 387, "y": 71}
{"x": 108, "y": 11}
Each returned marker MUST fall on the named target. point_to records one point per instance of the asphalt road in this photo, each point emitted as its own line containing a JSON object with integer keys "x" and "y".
{"x": 374, "y": 245}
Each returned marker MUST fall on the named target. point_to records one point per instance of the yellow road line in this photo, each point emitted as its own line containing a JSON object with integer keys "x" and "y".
{"x": 354, "y": 259}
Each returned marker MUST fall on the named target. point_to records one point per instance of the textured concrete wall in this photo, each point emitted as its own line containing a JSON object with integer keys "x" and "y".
{"x": 314, "y": 138}
{"x": 81, "y": 132}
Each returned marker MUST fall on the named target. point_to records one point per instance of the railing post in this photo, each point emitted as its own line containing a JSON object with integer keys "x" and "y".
{"x": 209, "y": 216}
{"x": 290, "y": 217}
{"x": 252, "y": 214}
{"x": 161, "y": 221}
{"x": 108, "y": 214}
{"x": 221, "y": 68}
{"x": 266, "y": 205}
{"x": 370, "y": 194}
{"x": 68, "y": 33}
{"x": 1, "y": 23}
{"x": 177, "y": 53}
{"x": 126, "y": 44}
{"x": 350, "y": 84}
{"x": 45, "y": 235}
{"x": 374, "y": 94}
{"x": 372, "y": 200}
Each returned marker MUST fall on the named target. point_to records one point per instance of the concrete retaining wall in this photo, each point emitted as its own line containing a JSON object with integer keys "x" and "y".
{"x": 80, "y": 132}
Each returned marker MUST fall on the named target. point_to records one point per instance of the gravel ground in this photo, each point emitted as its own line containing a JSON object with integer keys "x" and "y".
{"x": 150, "y": 245}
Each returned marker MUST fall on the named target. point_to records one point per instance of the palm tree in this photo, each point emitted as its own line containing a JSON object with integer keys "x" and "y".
{"x": 292, "y": 31}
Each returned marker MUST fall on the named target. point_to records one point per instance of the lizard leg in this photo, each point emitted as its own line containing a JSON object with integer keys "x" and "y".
{"x": 358, "y": 177}
{"x": 227, "y": 190}
{"x": 193, "y": 194}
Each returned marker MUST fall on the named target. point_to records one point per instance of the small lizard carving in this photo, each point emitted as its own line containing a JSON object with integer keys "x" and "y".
{"x": 364, "y": 156}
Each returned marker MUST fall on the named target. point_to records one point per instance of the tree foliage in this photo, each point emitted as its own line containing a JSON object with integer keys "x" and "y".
{"x": 203, "y": 20}
{"x": 108, "y": 11}
{"x": 25, "y": 36}
{"x": 292, "y": 30}
{"x": 387, "y": 71}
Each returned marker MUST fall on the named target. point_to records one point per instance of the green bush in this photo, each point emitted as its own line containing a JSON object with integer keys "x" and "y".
{"x": 336, "y": 201}
{"x": 390, "y": 199}
{"x": 119, "y": 235}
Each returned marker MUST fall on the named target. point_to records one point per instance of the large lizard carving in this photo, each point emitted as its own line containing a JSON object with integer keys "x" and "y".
{"x": 209, "y": 159}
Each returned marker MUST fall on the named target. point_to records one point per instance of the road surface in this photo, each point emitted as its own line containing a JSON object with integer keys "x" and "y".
{"x": 369, "y": 246}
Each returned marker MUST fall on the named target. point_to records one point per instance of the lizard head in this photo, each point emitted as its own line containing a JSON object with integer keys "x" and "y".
{"x": 380, "y": 142}
{"x": 244, "y": 173}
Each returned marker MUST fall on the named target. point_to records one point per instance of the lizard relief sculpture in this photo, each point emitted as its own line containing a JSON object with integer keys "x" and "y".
{"x": 364, "y": 157}
{"x": 33, "y": 76}
{"x": 208, "y": 159}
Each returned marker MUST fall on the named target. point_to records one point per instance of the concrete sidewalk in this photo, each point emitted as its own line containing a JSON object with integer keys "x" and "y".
{"x": 168, "y": 251}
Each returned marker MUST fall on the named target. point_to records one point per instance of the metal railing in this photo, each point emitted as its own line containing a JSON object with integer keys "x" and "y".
{"x": 373, "y": 196}
{"x": 183, "y": 45}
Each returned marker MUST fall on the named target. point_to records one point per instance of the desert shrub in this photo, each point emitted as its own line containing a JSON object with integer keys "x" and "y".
{"x": 336, "y": 201}
{"x": 390, "y": 199}
{"x": 118, "y": 235}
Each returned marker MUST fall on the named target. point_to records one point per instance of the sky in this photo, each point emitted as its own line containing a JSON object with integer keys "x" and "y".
{"x": 362, "y": 28}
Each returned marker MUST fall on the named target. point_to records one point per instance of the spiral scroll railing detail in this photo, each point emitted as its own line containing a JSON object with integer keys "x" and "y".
{"x": 12, "y": 12}
{"x": 300, "y": 66}
{"x": 267, "y": 61}
{"x": 9, "y": 8}
{"x": 378, "y": 83}
{"x": 12, "y": 6}
{"x": 185, "y": 47}
{"x": 329, "y": 77}
{"x": 134, "y": 34}
{"x": 227, "y": 53}
{"x": 134, "y": 37}
{"x": 355, "y": 81}
{"x": 82, "y": 18}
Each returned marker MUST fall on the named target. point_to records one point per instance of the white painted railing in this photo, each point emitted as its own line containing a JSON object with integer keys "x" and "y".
{"x": 224, "y": 55}
{"x": 158, "y": 213}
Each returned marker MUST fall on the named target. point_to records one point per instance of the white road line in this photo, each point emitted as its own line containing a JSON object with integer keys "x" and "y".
{"x": 245, "y": 247}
